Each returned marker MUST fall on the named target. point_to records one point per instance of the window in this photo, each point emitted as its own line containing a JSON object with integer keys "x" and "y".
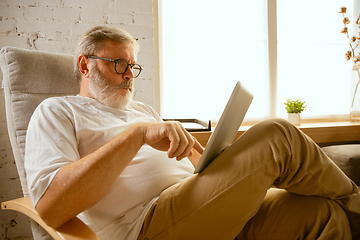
{"x": 207, "y": 47}
{"x": 311, "y": 63}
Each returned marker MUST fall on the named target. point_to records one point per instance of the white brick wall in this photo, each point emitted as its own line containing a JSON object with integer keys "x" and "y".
{"x": 54, "y": 26}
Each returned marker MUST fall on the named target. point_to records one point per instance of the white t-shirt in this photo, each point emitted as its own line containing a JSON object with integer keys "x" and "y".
{"x": 65, "y": 129}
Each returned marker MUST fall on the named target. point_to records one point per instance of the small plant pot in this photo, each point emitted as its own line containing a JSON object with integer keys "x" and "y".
{"x": 294, "y": 118}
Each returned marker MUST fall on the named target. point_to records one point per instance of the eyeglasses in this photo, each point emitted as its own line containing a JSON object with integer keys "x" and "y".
{"x": 121, "y": 66}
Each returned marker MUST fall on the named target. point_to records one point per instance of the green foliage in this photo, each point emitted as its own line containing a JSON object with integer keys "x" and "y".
{"x": 294, "y": 106}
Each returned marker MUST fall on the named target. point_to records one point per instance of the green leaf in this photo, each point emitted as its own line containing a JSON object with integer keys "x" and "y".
{"x": 294, "y": 106}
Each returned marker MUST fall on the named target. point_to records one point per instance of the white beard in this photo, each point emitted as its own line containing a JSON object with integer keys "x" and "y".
{"x": 107, "y": 94}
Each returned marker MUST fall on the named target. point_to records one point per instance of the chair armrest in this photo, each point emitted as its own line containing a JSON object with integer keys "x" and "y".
{"x": 74, "y": 229}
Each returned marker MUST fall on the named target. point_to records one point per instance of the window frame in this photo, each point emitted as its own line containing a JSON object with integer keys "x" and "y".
{"x": 272, "y": 67}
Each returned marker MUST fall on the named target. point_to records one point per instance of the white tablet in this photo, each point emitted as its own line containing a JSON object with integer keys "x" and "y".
{"x": 227, "y": 126}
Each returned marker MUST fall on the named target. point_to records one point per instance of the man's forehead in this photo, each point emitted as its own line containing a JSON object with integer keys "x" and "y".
{"x": 118, "y": 50}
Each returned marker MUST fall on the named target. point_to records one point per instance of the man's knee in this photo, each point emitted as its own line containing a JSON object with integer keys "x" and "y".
{"x": 278, "y": 129}
{"x": 276, "y": 123}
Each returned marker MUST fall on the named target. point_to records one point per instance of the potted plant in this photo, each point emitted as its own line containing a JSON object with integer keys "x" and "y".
{"x": 294, "y": 108}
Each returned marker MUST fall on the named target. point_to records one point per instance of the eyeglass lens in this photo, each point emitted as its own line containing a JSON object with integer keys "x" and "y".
{"x": 121, "y": 66}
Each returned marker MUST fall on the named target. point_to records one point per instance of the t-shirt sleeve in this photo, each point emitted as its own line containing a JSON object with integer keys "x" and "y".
{"x": 50, "y": 144}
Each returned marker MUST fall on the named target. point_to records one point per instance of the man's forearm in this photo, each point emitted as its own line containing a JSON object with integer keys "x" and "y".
{"x": 80, "y": 185}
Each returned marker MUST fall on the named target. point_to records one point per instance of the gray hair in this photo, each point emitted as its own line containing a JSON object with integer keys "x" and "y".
{"x": 95, "y": 38}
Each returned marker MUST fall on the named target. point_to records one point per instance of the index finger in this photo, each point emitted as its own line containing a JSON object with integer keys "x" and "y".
{"x": 197, "y": 146}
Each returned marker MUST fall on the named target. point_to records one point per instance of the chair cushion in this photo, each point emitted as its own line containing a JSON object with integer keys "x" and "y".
{"x": 347, "y": 157}
{"x": 29, "y": 77}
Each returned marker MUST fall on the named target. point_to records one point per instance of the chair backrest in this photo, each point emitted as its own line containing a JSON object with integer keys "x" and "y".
{"x": 30, "y": 77}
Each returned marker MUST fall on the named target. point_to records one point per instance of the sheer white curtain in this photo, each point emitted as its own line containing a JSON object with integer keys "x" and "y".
{"x": 209, "y": 45}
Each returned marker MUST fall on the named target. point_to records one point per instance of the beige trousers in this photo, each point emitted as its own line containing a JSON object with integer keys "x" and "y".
{"x": 233, "y": 199}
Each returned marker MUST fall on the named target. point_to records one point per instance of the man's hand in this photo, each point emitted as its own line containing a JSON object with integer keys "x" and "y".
{"x": 172, "y": 137}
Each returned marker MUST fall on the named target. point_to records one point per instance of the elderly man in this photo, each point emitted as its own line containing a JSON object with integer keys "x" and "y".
{"x": 116, "y": 165}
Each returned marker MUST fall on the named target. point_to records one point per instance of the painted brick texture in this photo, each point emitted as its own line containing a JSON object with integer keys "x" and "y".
{"x": 54, "y": 26}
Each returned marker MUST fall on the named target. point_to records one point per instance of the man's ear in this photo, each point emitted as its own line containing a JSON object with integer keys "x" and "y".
{"x": 83, "y": 66}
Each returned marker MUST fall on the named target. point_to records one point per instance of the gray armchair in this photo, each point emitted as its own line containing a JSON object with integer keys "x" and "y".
{"x": 30, "y": 77}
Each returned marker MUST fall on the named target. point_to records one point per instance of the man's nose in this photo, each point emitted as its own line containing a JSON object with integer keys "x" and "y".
{"x": 129, "y": 74}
